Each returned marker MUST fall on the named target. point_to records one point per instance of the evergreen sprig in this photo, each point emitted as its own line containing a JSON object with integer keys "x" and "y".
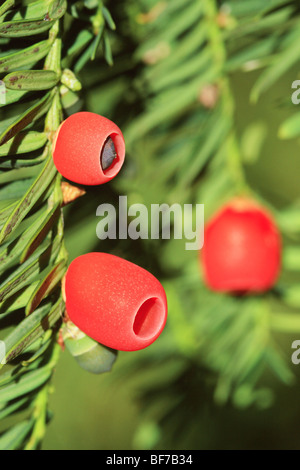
{"x": 38, "y": 90}
{"x": 181, "y": 137}
{"x": 180, "y": 131}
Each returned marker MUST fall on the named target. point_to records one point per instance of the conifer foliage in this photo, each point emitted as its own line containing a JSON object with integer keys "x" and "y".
{"x": 39, "y": 40}
{"x": 170, "y": 85}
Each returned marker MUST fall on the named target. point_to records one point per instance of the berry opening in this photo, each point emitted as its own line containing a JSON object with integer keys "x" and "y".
{"x": 108, "y": 154}
{"x": 109, "y": 158}
{"x": 149, "y": 318}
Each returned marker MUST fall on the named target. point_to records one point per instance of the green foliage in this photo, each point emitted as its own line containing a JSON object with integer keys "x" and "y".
{"x": 170, "y": 90}
{"x": 32, "y": 252}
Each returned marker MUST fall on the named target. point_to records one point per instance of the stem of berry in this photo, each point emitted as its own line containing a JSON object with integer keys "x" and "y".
{"x": 285, "y": 322}
{"x": 231, "y": 147}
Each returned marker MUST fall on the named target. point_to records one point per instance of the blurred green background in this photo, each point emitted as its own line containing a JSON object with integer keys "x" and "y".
{"x": 104, "y": 412}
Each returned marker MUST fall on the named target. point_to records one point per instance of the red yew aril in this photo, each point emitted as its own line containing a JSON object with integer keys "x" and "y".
{"x": 114, "y": 301}
{"x": 242, "y": 248}
{"x": 88, "y": 149}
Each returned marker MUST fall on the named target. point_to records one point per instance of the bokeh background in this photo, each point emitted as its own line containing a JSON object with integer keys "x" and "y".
{"x": 164, "y": 397}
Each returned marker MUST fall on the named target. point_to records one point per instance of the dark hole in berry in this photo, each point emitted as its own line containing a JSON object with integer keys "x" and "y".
{"x": 108, "y": 154}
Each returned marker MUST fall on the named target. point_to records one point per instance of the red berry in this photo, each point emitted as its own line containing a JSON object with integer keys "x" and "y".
{"x": 115, "y": 302}
{"x": 242, "y": 249}
{"x": 89, "y": 149}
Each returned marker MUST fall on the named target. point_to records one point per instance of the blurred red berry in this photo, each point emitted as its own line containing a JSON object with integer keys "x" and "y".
{"x": 88, "y": 149}
{"x": 115, "y": 302}
{"x": 242, "y": 249}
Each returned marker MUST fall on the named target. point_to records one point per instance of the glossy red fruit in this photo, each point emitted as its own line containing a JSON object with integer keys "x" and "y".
{"x": 115, "y": 302}
{"x": 88, "y": 149}
{"x": 242, "y": 249}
